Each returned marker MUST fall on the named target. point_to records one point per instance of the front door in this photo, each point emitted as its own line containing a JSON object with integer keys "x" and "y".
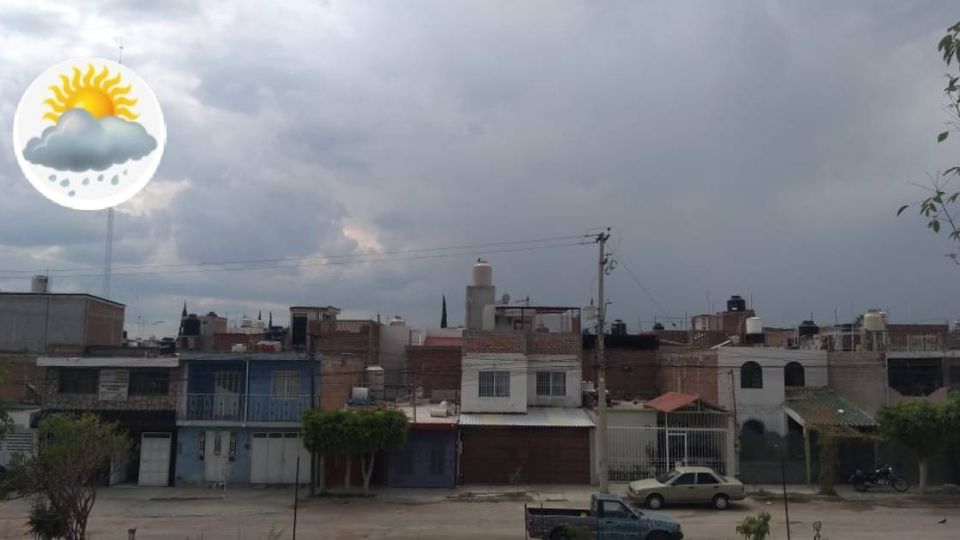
{"x": 676, "y": 449}
{"x": 216, "y": 456}
{"x": 154, "y": 459}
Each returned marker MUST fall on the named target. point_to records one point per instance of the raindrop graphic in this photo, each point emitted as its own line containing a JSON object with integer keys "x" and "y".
{"x": 100, "y": 178}
{"x": 65, "y": 182}
{"x": 53, "y": 178}
{"x": 72, "y": 193}
{"x": 115, "y": 180}
{"x": 86, "y": 181}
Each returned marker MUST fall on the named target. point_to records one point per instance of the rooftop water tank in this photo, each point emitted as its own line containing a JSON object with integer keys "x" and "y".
{"x": 754, "y": 326}
{"x": 618, "y": 328}
{"x": 482, "y": 274}
{"x": 191, "y": 325}
{"x": 375, "y": 381}
{"x": 808, "y": 328}
{"x": 397, "y": 321}
{"x": 39, "y": 284}
{"x": 874, "y": 320}
{"x": 735, "y": 303}
{"x": 658, "y": 326}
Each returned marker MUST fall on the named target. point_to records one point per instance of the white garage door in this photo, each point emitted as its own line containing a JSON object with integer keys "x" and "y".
{"x": 273, "y": 459}
{"x": 154, "y": 459}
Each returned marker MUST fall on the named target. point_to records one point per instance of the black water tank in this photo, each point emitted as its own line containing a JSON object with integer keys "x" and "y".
{"x": 657, "y": 326}
{"x": 191, "y": 325}
{"x": 618, "y": 328}
{"x": 808, "y": 328}
{"x": 735, "y": 303}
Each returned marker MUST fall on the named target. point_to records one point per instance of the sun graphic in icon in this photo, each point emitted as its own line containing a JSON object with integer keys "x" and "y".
{"x": 89, "y": 133}
{"x": 97, "y": 93}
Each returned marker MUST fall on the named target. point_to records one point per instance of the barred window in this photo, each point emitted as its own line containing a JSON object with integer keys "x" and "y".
{"x": 78, "y": 380}
{"x": 151, "y": 382}
{"x": 285, "y": 384}
{"x": 494, "y": 384}
{"x": 551, "y": 383}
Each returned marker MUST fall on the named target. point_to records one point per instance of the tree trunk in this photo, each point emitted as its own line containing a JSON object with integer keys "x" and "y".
{"x": 923, "y": 475}
{"x": 367, "y": 468}
{"x": 322, "y": 473}
{"x": 346, "y": 474}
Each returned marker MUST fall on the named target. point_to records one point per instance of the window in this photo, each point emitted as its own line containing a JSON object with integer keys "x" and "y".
{"x": 551, "y": 383}
{"x": 753, "y": 427}
{"x": 149, "y": 382}
{"x": 955, "y": 375}
{"x": 687, "y": 479}
{"x": 793, "y": 374}
{"x": 751, "y": 375}
{"x": 227, "y": 382}
{"x": 285, "y": 384}
{"x": 78, "y": 380}
{"x": 494, "y": 384}
{"x": 706, "y": 479}
{"x": 615, "y": 510}
{"x": 914, "y": 376}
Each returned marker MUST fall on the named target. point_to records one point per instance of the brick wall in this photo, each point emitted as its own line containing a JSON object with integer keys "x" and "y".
{"x": 338, "y": 375}
{"x": 360, "y": 338}
{"x": 53, "y": 399}
{"x": 435, "y": 369}
{"x": 20, "y": 380}
{"x": 859, "y": 377}
{"x": 631, "y": 374}
{"x": 104, "y": 323}
{"x": 547, "y": 343}
{"x": 494, "y": 342}
{"x": 690, "y": 373}
{"x": 917, "y": 336}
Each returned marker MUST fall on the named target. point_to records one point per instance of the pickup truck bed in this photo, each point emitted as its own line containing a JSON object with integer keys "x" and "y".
{"x": 607, "y": 518}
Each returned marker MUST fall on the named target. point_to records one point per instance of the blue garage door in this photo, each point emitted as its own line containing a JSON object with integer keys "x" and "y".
{"x": 428, "y": 460}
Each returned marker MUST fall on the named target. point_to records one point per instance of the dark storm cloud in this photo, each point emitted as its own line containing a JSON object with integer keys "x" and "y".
{"x": 759, "y": 148}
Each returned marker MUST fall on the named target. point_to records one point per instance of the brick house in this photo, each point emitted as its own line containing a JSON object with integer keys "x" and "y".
{"x": 632, "y": 365}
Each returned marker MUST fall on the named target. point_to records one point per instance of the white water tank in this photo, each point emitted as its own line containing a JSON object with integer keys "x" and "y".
{"x": 397, "y": 320}
{"x": 874, "y": 320}
{"x": 754, "y": 326}
{"x": 39, "y": 284}
{"x": 375, "y": 381}
{"x": 482, "y": 274}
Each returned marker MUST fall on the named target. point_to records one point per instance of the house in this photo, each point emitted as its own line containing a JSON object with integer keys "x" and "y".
{"x": 521, "y": 393}
{"x": 433, "y": 364}
{"x": 632, "y": 364}
{"x": 429, "y": 458}
{"x": 139, "y": 394}
{"x": 239, "y": 420}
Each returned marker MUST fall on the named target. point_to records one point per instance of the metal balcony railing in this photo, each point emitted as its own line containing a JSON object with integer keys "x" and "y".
{"x": 244, "y": 407}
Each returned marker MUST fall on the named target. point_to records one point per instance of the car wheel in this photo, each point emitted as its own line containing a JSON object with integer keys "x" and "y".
{"x": 900, "y": 484}
{"x": 655, "y": 502}
{"x": 721, "y": 502}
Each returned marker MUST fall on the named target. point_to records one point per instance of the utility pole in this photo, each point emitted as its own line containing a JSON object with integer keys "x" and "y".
{"x": 602, "y": 366}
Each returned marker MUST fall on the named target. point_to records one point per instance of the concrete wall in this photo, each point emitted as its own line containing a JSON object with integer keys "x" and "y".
{"x": 568, "y": 364}
{"x": 474, "y": 363}
{"x": 765, "y": 404}
{"x": 394, "y": 340}
{"x": 53, "y": 399}
{"x": 39, "y": 322}
{"x": 338, "y": 375}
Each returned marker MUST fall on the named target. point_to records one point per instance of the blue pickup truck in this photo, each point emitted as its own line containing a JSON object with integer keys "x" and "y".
{"x": 608, "y": 518}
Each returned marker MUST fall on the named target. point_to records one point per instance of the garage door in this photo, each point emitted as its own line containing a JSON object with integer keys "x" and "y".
{"x": 504, "y": 455}
{"x": 273, "y": 458}
{"x": 154, "y": 459}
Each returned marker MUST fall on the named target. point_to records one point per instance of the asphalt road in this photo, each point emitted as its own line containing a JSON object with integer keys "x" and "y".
{"x": 250, "y": 514}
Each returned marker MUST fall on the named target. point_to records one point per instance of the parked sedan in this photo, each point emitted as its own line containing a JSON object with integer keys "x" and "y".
{"x": 686, "y": 485}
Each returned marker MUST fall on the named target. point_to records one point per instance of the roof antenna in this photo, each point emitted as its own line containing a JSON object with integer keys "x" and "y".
{"x": 108, "y": 250}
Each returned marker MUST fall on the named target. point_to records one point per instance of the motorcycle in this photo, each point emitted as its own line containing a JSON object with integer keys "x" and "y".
{"x": 882, "y": 476}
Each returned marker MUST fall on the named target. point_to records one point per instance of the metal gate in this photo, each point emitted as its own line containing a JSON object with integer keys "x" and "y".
{"x": 644, "y": 452}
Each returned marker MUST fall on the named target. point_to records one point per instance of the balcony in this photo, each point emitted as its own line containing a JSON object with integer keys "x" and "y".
{"x": 243, "y": 408}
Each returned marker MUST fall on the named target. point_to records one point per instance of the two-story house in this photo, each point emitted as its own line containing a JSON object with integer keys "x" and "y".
{"x": 239, "y": 420}
{"x": 138, "y": 393}
{"x": 521, "y": 419}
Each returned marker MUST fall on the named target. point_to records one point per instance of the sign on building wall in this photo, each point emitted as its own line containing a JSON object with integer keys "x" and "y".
{"x": 113, "y": 384}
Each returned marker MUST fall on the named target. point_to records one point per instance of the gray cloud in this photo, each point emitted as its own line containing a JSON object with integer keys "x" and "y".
{"x": 80, "y": 143}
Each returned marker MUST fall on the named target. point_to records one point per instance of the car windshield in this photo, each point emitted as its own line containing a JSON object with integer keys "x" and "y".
{"x": 666, "y": 478}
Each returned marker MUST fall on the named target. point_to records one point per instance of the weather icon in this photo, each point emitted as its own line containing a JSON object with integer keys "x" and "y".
{"x": 89, "y": 134}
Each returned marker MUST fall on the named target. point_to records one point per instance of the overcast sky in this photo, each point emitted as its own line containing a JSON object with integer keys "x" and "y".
{"x": 759, "y": 148}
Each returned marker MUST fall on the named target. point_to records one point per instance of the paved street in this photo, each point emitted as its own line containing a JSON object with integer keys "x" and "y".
{"x": 249, "y": 514}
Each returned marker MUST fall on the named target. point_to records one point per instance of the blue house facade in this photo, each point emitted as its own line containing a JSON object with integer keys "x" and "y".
{"x": 239, "y": 420}
{"x": 429, "y": 458}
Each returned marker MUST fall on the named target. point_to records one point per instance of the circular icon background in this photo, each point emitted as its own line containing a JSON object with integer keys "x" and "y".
{"x": 89, "y": 133}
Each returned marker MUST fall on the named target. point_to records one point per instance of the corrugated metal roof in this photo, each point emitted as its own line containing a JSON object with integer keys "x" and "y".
{"x": 535, "y": 417}
{"x": 821, "y": 406}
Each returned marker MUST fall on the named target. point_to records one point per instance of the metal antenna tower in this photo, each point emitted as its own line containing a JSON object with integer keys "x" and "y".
{"x": 108, "y": 251}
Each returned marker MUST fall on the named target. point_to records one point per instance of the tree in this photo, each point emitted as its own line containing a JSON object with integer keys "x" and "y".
{"x": 322, "y": 436}
{"x": 373, "y": 431}
{"x": 920, "y": 426}
{"x": 443, "y": 313}
{"x": 72, "y": 453}
{"x": 939, "y": 207}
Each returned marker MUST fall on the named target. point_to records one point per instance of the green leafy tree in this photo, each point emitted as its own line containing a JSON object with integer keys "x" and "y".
{"x": 920, "y": 426}
{"x": 321, "y": 436}
{"x": 939, "y": 207}
{"x": 373, "y": 431}
{"x": 755, "y": 527}
{"x": 72, "y": 454}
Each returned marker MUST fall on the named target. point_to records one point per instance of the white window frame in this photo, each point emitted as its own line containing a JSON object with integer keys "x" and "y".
{"x": 285, "y": 384}
{"x": 497, "y": 384}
